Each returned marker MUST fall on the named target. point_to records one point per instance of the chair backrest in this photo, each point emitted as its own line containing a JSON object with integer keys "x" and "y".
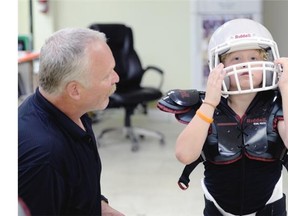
{"x": 128, "y": 65}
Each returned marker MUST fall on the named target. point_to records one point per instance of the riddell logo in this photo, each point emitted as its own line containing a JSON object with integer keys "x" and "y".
{"x": 257, "y": 121}
{"x": 184, "y": 94}
{"x": 243, "y": 36}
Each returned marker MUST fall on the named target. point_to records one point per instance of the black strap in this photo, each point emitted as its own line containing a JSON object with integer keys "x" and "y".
{"x": 277, "y": 208}
{"x": 184, "y": 180}
{"x": 285, "y": 161}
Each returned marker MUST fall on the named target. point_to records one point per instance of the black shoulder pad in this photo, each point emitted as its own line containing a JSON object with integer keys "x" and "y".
{"x": 179, "y": 101}
{"x": 185, "y": 117}
{"x": 186, "y": 98}
{"x": 166, "y": 104}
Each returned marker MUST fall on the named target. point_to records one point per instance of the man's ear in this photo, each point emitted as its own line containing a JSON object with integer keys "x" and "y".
{"x": 73, "y": 90}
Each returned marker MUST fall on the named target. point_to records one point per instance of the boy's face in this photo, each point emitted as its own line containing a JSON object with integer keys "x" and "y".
{"x": 240, "y": 57}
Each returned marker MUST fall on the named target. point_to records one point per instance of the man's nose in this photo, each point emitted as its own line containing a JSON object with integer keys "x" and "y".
{"x": 116, "y": 77}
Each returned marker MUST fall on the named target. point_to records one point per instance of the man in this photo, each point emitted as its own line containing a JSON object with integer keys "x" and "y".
{"x": 59, "y": 164}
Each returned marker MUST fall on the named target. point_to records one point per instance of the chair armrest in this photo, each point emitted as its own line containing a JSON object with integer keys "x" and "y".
{"x": 156, "y": 69}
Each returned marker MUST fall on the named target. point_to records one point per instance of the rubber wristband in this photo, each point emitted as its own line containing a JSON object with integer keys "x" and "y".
{"x": 204, "y": 117}
{"x": 210, "y": 104}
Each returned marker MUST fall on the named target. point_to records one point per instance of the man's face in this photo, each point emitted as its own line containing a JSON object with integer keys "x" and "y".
{"x": 102, "y": 77}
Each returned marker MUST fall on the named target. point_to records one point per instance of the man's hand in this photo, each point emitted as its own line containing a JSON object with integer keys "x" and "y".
{"x": 109, "y": 211}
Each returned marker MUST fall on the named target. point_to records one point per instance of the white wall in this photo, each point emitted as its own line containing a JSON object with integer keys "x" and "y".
{"x": 23, "y": 17}
{"x": 275, "y": 19}
{"x": 162, "y": 33}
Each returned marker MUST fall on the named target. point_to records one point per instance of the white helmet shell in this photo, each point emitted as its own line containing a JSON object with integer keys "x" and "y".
{"x": 244, "y": 34}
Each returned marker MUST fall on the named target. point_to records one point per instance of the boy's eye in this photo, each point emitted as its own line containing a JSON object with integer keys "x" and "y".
{"x": 235, "y": 59}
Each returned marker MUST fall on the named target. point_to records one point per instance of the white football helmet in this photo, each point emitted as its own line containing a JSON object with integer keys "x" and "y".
{"x": 245, "y": 34}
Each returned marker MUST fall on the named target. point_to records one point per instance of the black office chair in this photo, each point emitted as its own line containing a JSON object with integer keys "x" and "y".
{"x": 130, "y": 94}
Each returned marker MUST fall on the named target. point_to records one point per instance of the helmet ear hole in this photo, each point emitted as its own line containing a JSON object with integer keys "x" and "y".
{"x": 269, "y": 77}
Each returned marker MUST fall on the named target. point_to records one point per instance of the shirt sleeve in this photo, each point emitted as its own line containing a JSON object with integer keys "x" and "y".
{"x": 42, "y": 189}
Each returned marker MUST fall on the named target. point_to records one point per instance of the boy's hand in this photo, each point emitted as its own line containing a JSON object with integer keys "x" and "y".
{"x": 214, "y": 84}
{"x": 283, "y": 80}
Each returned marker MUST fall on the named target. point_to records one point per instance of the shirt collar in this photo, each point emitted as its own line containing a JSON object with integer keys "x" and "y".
{"x": 63, "y": 120}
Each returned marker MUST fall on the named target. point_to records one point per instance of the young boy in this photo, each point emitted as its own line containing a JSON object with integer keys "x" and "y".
{"x": 241, "y": 128}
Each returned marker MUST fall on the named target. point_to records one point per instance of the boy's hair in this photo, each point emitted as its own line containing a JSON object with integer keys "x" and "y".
{"x": 262, "y": 52}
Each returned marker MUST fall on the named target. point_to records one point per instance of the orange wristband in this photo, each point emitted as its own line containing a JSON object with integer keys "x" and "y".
{"x": 204, "y": 117}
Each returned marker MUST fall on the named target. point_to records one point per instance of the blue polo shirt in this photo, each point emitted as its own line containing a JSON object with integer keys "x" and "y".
{"x": 58, "y": 163}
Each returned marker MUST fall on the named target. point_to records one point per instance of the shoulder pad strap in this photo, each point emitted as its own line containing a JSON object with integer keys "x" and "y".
{"x": 278, "y": 105}
{"x": 285, "y": 160}
{"x": 184, "y": 180}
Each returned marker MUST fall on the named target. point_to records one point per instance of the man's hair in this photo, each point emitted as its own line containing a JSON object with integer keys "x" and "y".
{"x": 64, "y": 58}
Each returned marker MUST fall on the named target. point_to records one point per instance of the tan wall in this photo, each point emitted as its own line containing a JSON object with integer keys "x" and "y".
{"x": 161, "y": 28}
{"x": 275, "y": 19}
{"x": 23, "y": 17}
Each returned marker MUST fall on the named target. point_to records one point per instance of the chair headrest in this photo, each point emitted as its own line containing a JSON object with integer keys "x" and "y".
{"x": 121, "y": 31}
